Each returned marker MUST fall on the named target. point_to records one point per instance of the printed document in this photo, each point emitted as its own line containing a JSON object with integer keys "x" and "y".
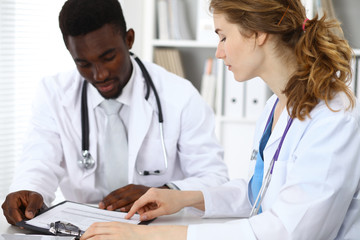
{"x": 79, "y": 215}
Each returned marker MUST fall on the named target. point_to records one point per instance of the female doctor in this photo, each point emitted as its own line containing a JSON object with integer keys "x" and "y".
{"x": 305, "y": 175}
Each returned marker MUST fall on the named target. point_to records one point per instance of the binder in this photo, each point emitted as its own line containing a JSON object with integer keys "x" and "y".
{"x": 208, "y": 82}
{"x": 170, "y": 59}
{"x": 162, "y": 20}
{"x": 178, "y": 20}
{"x": 205, "y": 30}
{"x": 352, "y": 83}
{"x": 256, "y": 95}
{"x": 234, "y": 96}
{"x": 356, "y": 77}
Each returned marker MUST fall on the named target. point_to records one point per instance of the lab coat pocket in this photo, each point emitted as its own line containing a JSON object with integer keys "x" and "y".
{"x": 278, "y": 179}
{"x": 282, "y": 169}
{"x": 151, "y": 156}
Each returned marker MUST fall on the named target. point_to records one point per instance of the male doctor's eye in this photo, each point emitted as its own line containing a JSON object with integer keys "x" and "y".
{"x": 110, "y": 58}
{"x": 83, "y": 64}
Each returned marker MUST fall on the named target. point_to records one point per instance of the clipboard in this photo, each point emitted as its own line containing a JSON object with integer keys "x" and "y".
{"x": 77, "y": 215}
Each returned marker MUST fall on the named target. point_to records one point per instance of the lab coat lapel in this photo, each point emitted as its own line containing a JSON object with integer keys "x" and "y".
{"x": 71, "y": 102}
{"x": 72, "y": 106}
{"x": 278, "y": 131}
{"x": 141, "y": 112}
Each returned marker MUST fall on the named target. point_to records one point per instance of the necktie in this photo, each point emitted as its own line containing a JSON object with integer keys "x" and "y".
{"x": 115, "y": 147}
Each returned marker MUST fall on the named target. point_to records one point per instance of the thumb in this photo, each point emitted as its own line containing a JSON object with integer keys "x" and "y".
{"x": 35, "y": 202}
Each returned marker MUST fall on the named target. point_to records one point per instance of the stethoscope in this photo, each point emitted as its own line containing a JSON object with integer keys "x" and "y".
{"x": 265, "y": 185}
{"x": 87, "y": 161}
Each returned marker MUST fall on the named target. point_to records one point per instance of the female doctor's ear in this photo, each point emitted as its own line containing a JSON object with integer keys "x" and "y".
{"x": 261, "y": 38}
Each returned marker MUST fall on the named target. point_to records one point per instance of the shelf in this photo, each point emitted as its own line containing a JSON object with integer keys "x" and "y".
{"x": 182, "y": 44}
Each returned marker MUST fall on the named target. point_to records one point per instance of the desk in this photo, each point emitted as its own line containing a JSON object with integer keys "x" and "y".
{"x": 183, "y": 217}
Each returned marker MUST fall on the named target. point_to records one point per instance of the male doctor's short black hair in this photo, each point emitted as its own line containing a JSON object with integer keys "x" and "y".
{"x": 79, "y": 17}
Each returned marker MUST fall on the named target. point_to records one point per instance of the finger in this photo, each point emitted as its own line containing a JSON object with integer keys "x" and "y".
{"x": 112, "y": 198}
{"x": 140, "y": 203}
{"x": 35, "y": 202}
{"x": 148, "y": 215}
{"x": 98, "y": 229}
{"x": 115, "y": 195}
{"x": 14, "y": 216}
{"x": 126, "y": 208}
{"x": 11, "y": 210}
{"x": 121, "y": 204}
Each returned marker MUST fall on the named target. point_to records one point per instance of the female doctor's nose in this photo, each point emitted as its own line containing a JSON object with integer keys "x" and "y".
{"x": 220, "y": 53}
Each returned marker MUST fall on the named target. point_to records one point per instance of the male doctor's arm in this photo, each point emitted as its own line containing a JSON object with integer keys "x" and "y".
{"x": 39, "y": 168}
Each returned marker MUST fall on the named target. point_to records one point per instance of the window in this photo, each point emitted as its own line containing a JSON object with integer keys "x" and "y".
{"x": 31, "y": 47}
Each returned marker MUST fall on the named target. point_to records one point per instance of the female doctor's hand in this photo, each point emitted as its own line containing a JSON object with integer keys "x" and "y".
{"x": 22, "y": 204}
{"x": 157, "y": 202}
{"x": 126, "y": 231}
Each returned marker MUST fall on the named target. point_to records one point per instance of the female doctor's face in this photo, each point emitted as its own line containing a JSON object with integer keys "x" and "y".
{"x": 241, "y": 54}
{"x": 102, "y": 58}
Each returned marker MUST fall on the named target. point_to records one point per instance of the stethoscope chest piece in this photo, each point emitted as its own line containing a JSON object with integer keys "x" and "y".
{"x": 86, "y": 161}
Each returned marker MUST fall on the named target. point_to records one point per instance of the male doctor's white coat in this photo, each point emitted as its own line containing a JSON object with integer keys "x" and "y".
{"x": 53, "y": 145}
{"x": 314, "y": 190}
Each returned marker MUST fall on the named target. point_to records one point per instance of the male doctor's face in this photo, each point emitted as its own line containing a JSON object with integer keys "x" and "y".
{"x": 102, "y": 58}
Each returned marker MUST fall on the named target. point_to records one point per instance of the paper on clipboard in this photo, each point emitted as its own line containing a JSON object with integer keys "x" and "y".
{"x": 77, "y": 214}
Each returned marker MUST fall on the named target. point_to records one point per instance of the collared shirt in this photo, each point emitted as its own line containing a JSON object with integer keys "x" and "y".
{"x": 94, "y": 100}
{"x": 125, "y": 98}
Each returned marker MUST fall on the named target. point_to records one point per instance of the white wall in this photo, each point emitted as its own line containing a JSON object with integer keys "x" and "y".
{"x": 134, "y": 15}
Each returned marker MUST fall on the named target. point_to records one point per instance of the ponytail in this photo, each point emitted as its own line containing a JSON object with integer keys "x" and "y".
{"x": 324, "y": 68}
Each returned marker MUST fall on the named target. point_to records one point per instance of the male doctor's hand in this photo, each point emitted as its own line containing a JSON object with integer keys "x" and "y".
{"x": 123, "y": 198}
{"x": 22, "y": 204}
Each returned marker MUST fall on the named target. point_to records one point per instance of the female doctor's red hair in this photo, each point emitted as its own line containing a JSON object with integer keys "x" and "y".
{"x": 323, "y": 56}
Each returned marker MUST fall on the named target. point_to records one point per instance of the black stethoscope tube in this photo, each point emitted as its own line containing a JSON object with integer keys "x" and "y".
{"x": 84, "y": 118}
{"x": 87, "y": 161}
{"x": 150, "y": 82}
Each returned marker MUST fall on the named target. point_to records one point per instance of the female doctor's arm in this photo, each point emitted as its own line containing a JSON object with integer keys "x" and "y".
{"x": 154, "y": 203}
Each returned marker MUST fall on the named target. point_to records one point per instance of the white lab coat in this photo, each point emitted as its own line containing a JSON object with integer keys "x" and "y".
{"x": 314, "y": 191}
{"x": 53, "y": 145}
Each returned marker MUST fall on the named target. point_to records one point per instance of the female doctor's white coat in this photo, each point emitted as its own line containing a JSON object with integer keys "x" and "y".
{"x": 53, "y": 146}
{"x": 314, "y": 191}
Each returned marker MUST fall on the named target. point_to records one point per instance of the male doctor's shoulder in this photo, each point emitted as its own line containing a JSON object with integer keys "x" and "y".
{"x": 62, "y": 88}
{"x": 169, "y": 83}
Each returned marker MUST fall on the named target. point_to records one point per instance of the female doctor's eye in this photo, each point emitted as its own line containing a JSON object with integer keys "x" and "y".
{"x": 223, "y": 39}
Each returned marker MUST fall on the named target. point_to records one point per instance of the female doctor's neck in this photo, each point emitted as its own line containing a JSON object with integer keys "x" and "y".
{"x": 278, "y": 67}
